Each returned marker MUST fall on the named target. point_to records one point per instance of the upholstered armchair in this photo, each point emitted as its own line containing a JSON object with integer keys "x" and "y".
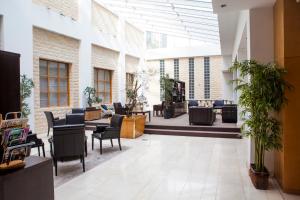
{"x": 193, "y": 103}
{"x": 68, "y": 143}
{"x": 53, "y": 121}
{"x": 109, "y": 132}
{"x": 218, "y": 104}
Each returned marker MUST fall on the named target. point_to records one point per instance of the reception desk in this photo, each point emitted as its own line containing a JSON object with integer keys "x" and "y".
{"x": 33, "y": 182}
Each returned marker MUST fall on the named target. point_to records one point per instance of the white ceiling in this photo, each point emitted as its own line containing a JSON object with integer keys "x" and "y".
{"x": 237, "y": 5}
{"x": 228, "y": 18}
{"x": 193, "y": 19}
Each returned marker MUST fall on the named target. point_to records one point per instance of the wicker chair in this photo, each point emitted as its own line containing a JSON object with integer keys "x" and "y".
{"x": 201, "y": 116}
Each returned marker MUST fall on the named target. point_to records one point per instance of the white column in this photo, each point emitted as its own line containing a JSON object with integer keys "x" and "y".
{"x": 85, "y": 50}
{"x": 17, "y": 38}
{"x": 121, "y": 62}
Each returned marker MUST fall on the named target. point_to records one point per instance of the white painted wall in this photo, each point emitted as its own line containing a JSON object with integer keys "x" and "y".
{"x": 254, "y": 40}
{"x": 19, "y": 18}
{"x": 17, "y": 36}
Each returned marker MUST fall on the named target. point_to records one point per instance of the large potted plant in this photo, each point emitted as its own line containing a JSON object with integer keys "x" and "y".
{"x": 26, "y": 86}
{"x": 91, "y": 112}
{"x": 133, "y": 126}
{"x": 167, "y": 86}
{"x": 262, "y": 95}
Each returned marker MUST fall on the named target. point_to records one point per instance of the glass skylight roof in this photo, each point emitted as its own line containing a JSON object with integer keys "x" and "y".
{"x": 192, "y": 19}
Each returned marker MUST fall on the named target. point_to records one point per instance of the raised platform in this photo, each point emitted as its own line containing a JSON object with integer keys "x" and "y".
{"x": 180, "y": 126}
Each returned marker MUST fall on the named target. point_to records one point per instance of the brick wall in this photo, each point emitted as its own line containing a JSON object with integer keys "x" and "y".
{"x": 66, "y": 7}
{"x": 215, "y": 77}
{"x": 52, "y": 46}
{"x": 103, "y": 58}
{"x": 104, "y": 20}
{"x": 131, "y": 64}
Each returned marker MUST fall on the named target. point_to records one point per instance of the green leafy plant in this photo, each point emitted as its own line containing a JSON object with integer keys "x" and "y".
{"x": 26, "y": 86}
{"x": 132, "y": 96}
{"x": 262, "y": 88}
{"x": 167, "y": 89}
{"x": 90, "y": 93}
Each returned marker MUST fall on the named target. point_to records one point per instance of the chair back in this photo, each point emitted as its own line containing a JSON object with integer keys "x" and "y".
{"x": 116, "y": 121}
{"x": 118, "y": 108}
{"x": 50, "y": 118}
{"x": 78, "y": 110}
{"x": 68, "y": 140}
{"x": 75, "y": 118}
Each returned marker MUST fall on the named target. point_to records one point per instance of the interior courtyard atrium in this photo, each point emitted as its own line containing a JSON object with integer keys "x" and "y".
{"x": 149, "y": 99}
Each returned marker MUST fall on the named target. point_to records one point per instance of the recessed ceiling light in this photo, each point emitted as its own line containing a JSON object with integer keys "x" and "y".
{"x": 223, "y": 5}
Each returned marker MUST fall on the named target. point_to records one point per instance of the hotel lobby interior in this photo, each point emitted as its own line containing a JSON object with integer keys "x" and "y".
{"x": 149, "y": 99}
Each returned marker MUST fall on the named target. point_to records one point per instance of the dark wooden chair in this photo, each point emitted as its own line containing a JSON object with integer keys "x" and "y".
{"x": 53, "y": 121}
{"x": 37, "y": 142}
{"x": 109, "y": 132}
{"x": 68, "y": 143}
{"x": 119, "y": 109}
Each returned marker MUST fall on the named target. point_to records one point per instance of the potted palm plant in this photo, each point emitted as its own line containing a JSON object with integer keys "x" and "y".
{"x": 262, "y": 95}
{"x": 167, "y": 90}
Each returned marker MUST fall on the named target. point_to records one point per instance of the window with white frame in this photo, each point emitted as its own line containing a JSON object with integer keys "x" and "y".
{"x": 176, "y": 69}
{"x": 191, "y": 78}
{"x": 162, "y": 74}
{"x": 206, "y": 78}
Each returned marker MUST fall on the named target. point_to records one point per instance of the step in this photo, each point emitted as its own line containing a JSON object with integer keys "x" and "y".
{"x": 233, "y": 135}
{"x": 195, "y": 128}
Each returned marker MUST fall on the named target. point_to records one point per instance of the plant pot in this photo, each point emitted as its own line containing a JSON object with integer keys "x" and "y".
{"x": 168, "y": 113}
{"x": 133, "y": 127}
{"x": 260, "y": 180}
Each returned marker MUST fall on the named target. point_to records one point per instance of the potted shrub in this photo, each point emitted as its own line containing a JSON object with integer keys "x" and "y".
{"x": 133, "y": 126}
{"x": 90, "y": 93}
{"x": 91, "y": 112}
{"x": 262, "y": 95}
{"x": 167, "y": 90}
{"x": 26, "y": 86}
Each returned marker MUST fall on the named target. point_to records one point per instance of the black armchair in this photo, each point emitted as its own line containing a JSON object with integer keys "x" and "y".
{"x": 76, "y": 118}
{"x": 229, "y": 113}
{"x": 53, "y": 121}
{"x": 112, "y": 131}
{"x": 119, "y": 109}
{"x": 68, "y": 143}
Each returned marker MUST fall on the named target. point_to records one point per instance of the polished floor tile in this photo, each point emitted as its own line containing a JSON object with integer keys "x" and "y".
{"x": 171, "y": 168}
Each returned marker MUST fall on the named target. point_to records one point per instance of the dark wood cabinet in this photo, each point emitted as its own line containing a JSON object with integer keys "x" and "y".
{"x": 9, "y": 82}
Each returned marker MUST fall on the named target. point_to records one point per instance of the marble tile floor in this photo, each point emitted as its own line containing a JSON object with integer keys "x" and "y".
{"x": 158, "y": 167}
